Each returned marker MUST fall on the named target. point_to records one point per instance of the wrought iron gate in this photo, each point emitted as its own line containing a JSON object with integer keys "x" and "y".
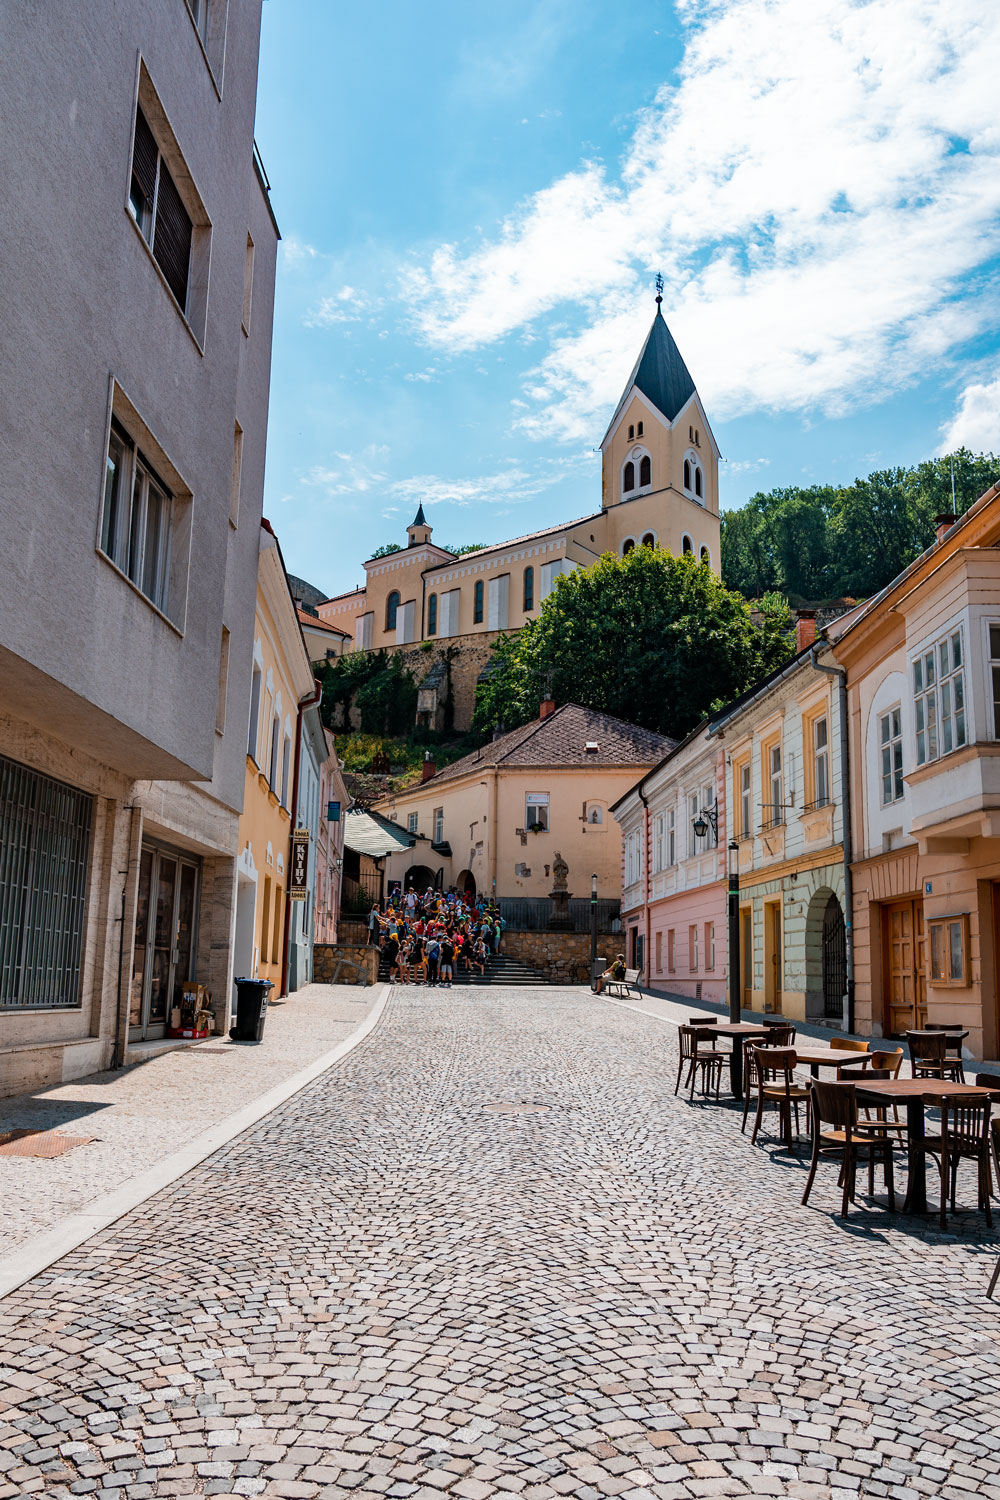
{"x": 834, "y": 960}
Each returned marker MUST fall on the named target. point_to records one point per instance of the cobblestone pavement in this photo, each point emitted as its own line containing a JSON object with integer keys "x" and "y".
{"x": 388, "y": 1287}
{"x": 141, "y": 1114}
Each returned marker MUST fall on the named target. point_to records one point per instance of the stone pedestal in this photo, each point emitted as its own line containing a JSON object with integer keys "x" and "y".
{"x": 560, "y": 920}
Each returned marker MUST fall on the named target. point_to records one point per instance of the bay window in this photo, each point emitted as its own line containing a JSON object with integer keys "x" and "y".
{"x": 939, "y": 698}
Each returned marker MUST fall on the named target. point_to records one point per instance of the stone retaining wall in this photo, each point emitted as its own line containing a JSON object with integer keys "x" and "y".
{"x": 339, "y": 963}
{"x": 561, "y": 957}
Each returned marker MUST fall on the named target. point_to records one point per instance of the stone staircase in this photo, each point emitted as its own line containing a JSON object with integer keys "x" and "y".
{"x": 500, "y": 970}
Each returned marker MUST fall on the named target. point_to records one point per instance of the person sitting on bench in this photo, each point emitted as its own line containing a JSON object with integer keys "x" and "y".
{"x": 616, "y": 973}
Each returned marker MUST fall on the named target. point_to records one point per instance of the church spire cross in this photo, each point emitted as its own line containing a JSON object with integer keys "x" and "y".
{"x": 659, "y": 288}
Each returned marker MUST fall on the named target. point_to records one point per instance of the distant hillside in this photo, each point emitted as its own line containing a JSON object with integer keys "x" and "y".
{"x": 827, "y": 543}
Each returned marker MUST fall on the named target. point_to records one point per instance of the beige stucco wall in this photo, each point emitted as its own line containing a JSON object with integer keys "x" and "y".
{"x": 483, "y": 813}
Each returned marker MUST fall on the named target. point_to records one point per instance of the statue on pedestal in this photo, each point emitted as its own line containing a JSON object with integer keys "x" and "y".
{"x": 560, "y": 920}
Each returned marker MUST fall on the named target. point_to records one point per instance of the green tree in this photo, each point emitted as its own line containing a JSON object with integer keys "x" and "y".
{"x": 385, "y": 550}
{"x": 650, "y": 638}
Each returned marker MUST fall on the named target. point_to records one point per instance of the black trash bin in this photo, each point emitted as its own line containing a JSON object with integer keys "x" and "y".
{"x": 251, "y": 1009}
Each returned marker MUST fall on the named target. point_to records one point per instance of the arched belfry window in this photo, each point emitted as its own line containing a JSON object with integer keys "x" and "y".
{"x": 628, "y": 545}
{"x": 706, "y": 556}
{"x": 391, "y": 608}
{"x": 694, "y": 478}
{"x": 645, "y": 470}
{"x": 628, "y": 478}
{"x": 697, "y": 483}
{"x": 687, "y": 545}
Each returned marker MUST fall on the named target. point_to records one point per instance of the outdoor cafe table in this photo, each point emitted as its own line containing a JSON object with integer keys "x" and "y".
{"x": 914, "y": 1093}
{"x": 739, "y": 1031}
{"x": 827, "y": 1057}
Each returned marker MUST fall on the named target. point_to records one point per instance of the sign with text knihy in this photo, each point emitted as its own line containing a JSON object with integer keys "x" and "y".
{"x": 297, "y": 886}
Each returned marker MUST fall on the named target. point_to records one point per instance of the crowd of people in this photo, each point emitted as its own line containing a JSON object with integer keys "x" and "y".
{"x": 434, "y": 937}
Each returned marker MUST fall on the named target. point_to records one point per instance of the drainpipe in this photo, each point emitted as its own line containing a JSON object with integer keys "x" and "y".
{"x": 121, "y": 1003}
{"x": 840, "y": 673}
{"x": 494, "y": 836}
{"x": 645, "y": 881}
{"x": 309, "y": 701}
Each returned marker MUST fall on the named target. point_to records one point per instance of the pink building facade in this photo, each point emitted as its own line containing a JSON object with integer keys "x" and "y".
{"x": 329, "y": 845}
{"x": 674, "y": 874}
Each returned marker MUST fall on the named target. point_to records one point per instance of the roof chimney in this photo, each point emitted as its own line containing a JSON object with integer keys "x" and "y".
{"x": 805, "y": 628}
{"x": 546, "y": 707}
{"x": 942, "y": 524}
{"x": 429, "y": 767}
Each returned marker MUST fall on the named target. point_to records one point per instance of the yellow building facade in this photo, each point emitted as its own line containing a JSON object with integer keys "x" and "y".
{"x": 282, "y": 678}
{"x": 494, "y": 821}
{"x": 660, "y": 486}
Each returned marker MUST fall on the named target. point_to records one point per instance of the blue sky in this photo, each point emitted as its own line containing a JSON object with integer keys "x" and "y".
{"x": 475, "y": 200}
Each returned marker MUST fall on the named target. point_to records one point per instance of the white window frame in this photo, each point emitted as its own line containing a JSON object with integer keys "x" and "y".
{"x": 937, "y": 679}
{"x": 890, "y": 749}
{"x": 821, "y": 761}
{"x": 659, "y": 841}
{"x": 776, "y": 784}
{"x": 536, "y": 810}
{"x": 412, "y": 821}
{"x": 438, "y": 826}
{"x": 746, "y": 800}
{"x": 695, "y": 845}
{"x": 126, "y": 540}
{"x": 671, "y": 836}
{"x": 993, "y": 665}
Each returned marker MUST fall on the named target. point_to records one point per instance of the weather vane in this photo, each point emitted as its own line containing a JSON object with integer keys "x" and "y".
{"x": 659, "y": 288}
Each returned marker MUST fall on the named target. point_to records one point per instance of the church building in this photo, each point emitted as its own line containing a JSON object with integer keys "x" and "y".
{"x": 659, "y": 487}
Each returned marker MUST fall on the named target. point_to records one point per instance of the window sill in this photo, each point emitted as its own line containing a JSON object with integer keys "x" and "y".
{"x": 177, "y": 629}
{"x": 252, "y": 764}
{"x": 163, "y": 280}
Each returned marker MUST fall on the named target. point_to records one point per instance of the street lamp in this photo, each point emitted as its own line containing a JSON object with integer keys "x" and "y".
{"x": 593, "y": 928}
{"x": 707, "y": 818}
{"x": 735, "y": 1007}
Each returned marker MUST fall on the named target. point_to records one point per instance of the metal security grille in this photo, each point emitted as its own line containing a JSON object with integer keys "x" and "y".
{"x": 532, "y": 913}
{"x": 834, "y": 961}
{"x": 44, "y": 848}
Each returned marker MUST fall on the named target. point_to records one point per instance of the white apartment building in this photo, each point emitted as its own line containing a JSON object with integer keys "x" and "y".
{"x": 136, "y": 302}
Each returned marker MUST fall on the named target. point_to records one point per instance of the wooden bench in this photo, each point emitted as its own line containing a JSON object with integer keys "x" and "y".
{"x": 624, "y": 987}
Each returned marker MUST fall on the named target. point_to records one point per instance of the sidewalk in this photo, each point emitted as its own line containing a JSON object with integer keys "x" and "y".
{"x": 677, "y": 1009}
{"x": 142, "y": 1114}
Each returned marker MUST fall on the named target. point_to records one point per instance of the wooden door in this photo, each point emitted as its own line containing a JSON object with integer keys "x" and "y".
{"x": 905, "y": 977}
{"x": 772, "y": 956}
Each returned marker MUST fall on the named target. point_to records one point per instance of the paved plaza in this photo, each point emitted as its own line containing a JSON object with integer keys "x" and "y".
{"x": 403, "y": 1283}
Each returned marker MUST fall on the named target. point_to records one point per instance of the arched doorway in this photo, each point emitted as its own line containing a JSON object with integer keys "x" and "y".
{"x": 465, "y": 885}
{"x": 418, "y": 878}
{"x": 834, "y": 961}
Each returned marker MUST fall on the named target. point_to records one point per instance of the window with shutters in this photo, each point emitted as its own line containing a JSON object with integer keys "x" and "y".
{"x": 166, "y": 209}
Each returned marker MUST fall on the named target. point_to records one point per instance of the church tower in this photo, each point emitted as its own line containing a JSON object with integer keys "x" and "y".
{"x": 660, "y": 460}
{"x": 418, "y": 530}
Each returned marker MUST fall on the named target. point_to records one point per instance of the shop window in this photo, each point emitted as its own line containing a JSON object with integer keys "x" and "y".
{"x": 948, "y": 939}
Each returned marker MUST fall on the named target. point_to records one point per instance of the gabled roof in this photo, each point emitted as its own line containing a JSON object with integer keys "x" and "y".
{"x": 560, "y": 741}
{"x": 313, "y": 622}
{"x": 660, "y": 374}
{"x": 371, "y": 833}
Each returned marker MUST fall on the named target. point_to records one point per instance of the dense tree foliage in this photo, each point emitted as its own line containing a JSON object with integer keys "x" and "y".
{"x": 827, "y": 543}
{"x": 379, "y": 686}
{"x": 650, "y": 638}
{"x": 387, "y": 548}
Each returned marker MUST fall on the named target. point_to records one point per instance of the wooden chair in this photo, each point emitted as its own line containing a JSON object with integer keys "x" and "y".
{"x": 848, "y": 1044}
{"x": 929, "y": 1056}
{"x": 775, "y": 1067}
{"x": 835, "y": 1105}
{"x": 706, "y": 1060}
{"x": 881, "y": 1065}
{"x": 991, "y": 1081}
{"x": 779, "y": 1036}
{"x": 750, "y": 1045}
{"x": 965, "y": 1132}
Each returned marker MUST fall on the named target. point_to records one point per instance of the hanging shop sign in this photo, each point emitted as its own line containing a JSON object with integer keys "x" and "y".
{"x": 297, "y": 886}
{"x": 333, "y": 812}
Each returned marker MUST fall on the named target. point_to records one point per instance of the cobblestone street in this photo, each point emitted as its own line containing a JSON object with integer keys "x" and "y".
{"x": 391, "y": 1287}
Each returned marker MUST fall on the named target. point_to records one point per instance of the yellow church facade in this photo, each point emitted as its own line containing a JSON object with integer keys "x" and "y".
{"x": 660, "y": 487}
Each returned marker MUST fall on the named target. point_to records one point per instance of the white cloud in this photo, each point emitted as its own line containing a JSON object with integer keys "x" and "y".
{"x": 976, "y": 423}
{"x": 817, "y": 187}
{"x": 295, "y": 253}
{"x": 745, "y": 465}
{"x": 422, "y": 376}
{"x": 344, "y": 306}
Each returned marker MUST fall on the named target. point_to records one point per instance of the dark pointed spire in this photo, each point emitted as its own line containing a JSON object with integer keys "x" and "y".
{"x": 659, "y": 373}
{"x": 419, "y": 519}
